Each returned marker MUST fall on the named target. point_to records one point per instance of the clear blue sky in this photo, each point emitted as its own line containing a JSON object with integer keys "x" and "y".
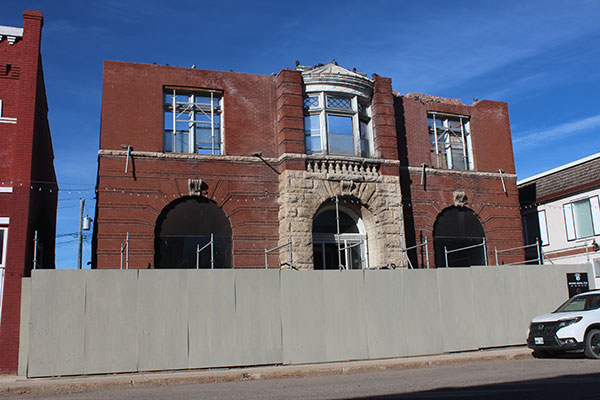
{"x": 542, "y": 57}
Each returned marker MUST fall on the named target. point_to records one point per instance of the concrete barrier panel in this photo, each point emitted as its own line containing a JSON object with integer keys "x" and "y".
{"x": 491, "y": 314}
{"x": 162, "y": 309}
{"x": 258, "y": 317}
{"x": 383, "y": 303}
{"x": 24, "y": 331}
{"x": 56, "y": 337}
{"x": 302, "y": 317}
{"x": 345, "y": 333}
{"x": 212, "y": 325}
{"x": 110, "y": 321}
{"x": 457, "y": 309}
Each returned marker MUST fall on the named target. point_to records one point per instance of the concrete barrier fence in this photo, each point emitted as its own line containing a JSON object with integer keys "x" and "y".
{"x": 106, "y": 321}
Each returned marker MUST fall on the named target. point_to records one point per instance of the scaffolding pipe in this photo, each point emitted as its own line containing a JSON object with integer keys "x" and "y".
{"x": 267, "y": 251}
{"x": 35, "y": 247}
{"x": 446, "y": 255}
{"x": 337, "y": 238}
{"x": 426, "y": 253}
{"x": 127, "y": 254}
{"x": 290, "y": 243}
{"x": 212, "y": 251}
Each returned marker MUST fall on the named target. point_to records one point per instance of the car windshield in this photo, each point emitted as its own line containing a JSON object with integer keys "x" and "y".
{"x": 584, "y": 302}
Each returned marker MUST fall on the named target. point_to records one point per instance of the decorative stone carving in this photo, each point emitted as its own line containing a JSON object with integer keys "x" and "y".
{"x": 195, "y": 187}
{"x": 460, "y": 199}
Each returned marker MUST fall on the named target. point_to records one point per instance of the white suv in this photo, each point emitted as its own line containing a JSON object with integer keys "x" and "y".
{"x": 573, "y": 326}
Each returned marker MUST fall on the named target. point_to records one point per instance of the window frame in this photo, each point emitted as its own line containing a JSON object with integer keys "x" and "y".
{"x": 211, "y": 109}
{"x": 570, "y": 221}
{"x": 3, "y": 246}
{"x": 359, "y": 112}
{"x": 447, "y": 154}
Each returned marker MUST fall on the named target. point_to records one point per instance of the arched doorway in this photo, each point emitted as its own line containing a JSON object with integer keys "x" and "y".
{"x": 344, "y": 248}
{"x": 455, "y": 228}
{"x": 186, "y": 225}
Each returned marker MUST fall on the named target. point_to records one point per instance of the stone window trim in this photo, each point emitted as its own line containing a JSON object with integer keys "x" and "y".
{"x": 337, "y": 123}
{"x": 450, "y": 140}
{"x": 196, "y": 126}
{"x": 582, "y": 218}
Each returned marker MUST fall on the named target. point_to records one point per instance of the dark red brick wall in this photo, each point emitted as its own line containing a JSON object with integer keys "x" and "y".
{"x": 132, "y": 99}
{"x": 26, "y": 165}
{"x": 244, "y": 187}
{"x": 492, "y": 150}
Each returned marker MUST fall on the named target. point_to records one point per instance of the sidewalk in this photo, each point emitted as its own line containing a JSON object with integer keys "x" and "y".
{"x": 10, "y": 384}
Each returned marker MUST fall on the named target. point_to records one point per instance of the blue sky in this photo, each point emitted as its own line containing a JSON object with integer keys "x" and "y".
{"x": 542, "y": 57}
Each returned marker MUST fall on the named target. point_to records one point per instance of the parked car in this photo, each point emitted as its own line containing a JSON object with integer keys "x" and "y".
{"x": 574, "y": 326}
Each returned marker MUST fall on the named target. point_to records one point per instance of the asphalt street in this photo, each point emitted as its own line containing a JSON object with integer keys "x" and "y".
{"x": 569, "y": 377}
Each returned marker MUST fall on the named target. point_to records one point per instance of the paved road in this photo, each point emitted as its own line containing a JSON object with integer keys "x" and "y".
{"x": 567, "y": 377}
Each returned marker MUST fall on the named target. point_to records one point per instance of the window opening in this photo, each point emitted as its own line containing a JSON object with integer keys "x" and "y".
{"x": 456, "y": 228}
{"x": 582, "y": 218}
{"x": 339, "y": 241}
{"x": 188, "y": 225}
{"x": 450, "y": 141}
{"x": 341, "y": 127}
{"x": 192, "y": 121}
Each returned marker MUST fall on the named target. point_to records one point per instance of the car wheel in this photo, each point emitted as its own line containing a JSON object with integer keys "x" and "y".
{"x": 543, "y": 353}
{"x": 592, "y": 344}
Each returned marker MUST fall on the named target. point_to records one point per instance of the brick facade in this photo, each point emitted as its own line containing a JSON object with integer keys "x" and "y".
{"x": 269, "y": 187}
{"x": 29, "y": 190}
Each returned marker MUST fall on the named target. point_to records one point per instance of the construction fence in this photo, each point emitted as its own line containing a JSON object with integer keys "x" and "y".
{"x": 108, "y": 321}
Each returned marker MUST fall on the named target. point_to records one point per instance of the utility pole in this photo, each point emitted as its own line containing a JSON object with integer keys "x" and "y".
{"x": 81, "y": 206}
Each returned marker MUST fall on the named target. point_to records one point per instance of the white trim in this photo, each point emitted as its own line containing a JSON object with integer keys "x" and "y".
{"x": 557, "y": 169}
{"x": 10, "y": 30}
{"x": 4, "y": 220}
{"x": 6, "y": 189}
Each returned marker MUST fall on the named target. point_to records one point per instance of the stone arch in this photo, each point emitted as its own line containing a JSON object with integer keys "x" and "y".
{"x": 187, "y": 223}
{"x": 454, "y": 228}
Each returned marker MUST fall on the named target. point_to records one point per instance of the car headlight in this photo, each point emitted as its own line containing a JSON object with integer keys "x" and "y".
{"x": 567, "y": 322}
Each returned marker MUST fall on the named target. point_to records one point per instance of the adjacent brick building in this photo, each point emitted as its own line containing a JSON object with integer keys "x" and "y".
{"x": 350, "y": 172}
{"x": 28, "y": 188}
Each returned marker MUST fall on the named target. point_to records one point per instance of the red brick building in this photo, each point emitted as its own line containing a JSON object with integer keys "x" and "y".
{"x": 348, "y": 171}
{"x": 28, "y": 188}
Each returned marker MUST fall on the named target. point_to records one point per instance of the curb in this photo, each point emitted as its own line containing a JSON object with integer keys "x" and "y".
{"x": 22, "y": 385}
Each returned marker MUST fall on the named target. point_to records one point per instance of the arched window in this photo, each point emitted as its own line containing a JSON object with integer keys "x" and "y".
{"x": 185, "y": 226}
{"x": 333, "y": 249}
{"x": 455, "y": 228}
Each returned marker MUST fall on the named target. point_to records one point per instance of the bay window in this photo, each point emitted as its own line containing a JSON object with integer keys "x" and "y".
{"x": 336, "y": 124}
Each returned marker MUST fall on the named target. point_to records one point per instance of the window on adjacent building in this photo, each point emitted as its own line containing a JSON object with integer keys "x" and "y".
{"x": 336, "y": 124}
{"x": 582, "y": 218}
{"x": 192, "y": 121}
{"x": 543, "y": 227}
{"x": 450, "y": 140}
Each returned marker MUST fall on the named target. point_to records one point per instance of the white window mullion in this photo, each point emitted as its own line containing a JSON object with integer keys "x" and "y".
{"x": 356, "y": 126}
{"x": 595, "y": 214}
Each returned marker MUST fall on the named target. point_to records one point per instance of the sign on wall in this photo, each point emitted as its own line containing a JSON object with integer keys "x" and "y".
{"x": 577, "y": 282}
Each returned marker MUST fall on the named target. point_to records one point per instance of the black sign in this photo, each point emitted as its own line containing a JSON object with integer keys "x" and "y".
{"x": 577, "y": 282}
